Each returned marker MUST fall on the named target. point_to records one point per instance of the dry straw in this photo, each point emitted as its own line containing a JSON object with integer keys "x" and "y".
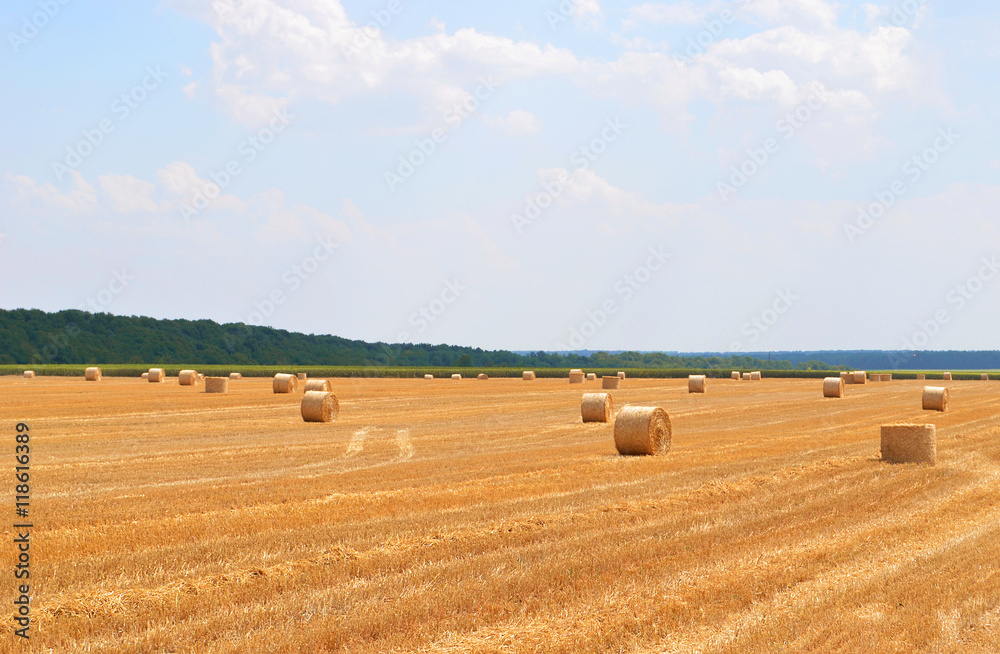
{"x": 847, "y": 377}
{"x": 755, "y": 376}
{"x": 284, "y": 383}
{"x": 303, "y": 376}
{"x": 92, "y": 374}
{"x": 597, "y": 407}
{"x": 909, "y": 444}
{"x": 428, "y": 376}
{"x": 860, "y": 377}
{"x": 611, "y": 383}
{"x": 157, "y": 375}
{"x": 621, "y": 375}
{"x": 322, "y": 385}
{"x": 528, "y": 375}
{"x": 642, "y": 430}
{"x": 696, "y": 383}
{"x": 29, "y": 374}
{"x": 145, "y": 376}
{"x": 886, "y": 378}
{"x": 217, "y": 384}
{"x": 921, "y": 377}
{"x": 235, "y": 375}
{"x": 187, "y": 377}
{"x": 936, "y": 398}
{"x": 576, "y": 377}
{"x": 985, "y": 377}
{"x": 456, "y": 376}
{"x": 746, "y": 376}
{"x": 947, "y": 376}
{"x": 318, "y": 406}
{"x": 833, "y": 387}
{"x": 736, "y": 375}
{"x": 591, "y": 376}
{"x": 482, "y": 376}
{"x": 575, "y": 370}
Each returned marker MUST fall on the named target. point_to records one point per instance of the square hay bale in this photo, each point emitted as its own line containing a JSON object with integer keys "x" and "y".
{"x": 909, "y": 444}
{"x": 611, "y": 383}
{"x": 886, "y": 378}
{"x": 936, "y": 398}
{"x": 833, "y": 387}
{"x": 696, "y": 383}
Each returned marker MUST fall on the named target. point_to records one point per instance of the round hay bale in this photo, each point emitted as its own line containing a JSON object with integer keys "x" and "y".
{"x": 157, "y": 375}
{"x": 847, "y": 377}
{"x": 909, "y": 444}
{"x": 201, "y": 376}
{"x": 483, "y": 376}
{"x": 736, "y": 375}
{"x": 29, "y": 374}
{"x": 187, "y": 377}
{"x": 936, "y": 398}
{"x": 597, "y": 407}
{"x": 428, "y": 376}
{"x": 833, "y": 387}
{"x": 611, "y": 383}
{"x": 235, "y": 375}
{"x": 92, "y": 374}
{"x": 591, "y": 376}
{"x": 322, "y": 385}
{"x": 860, "y": 377}
{"x": 642, "y": 430}
{"x": 145, "y": 376}
{"x": 946, "y": 376}
{"x": 456, "y": 376}
{"x": 921, "y": 377}
{"x": 697, "y": 383}
{"x": 746, "y": 376}
{"x": 303, "y": 376}
{"x": 576, "y": 377}
{"x": 528, "y": 375}
{"x": 284, "y": 383}
{"x": 217, "y": 384}
{"x": 755, "y": 376}
{"x": 985, "y": 377}
{"x": 318, "y": 406}
{"x": 621, "y": 375}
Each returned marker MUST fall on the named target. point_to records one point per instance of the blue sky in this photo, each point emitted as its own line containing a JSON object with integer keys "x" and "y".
{"x": 574, "y": 175}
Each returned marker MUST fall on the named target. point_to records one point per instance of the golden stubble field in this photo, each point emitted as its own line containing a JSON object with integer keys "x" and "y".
{"x": 483, "y": 516}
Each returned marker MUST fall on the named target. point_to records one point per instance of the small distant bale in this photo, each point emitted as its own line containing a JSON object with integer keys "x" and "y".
{"x": 921, "y": 377}
{"x": 576, "y": 370}
{"x": 29, "y": 374}
{"x": 641, "y": 430}
{"x": 621, "y": 375}
{"x": 303, "y": 376}
{"x": 145, "y": 376}
{"x": 235, "y": 376}
{"x": 936, "y": 398}
{"x": 755, "y": 376}
{"x": 187, "y": 377}
{"x": 319, "y": 406}
{"x": 157, "y": 375}
{"x": 217, "y": 384}
{"x": 92, "y": 374}
{"x": 947, "y": 376}
{"x": 322, "y": 385}
{"x": 576, "y": 377}
{"x": 833, "y": 387}
{"x": 611, "y": 383}
{"x": 591, "y": 376}
{"x": 597, "y": 407}
{"x": 428, "y": 376}
{"x": 697, "y": 383}
{"x": 528, "y": 375}
{"x": 746, "y": 376}
{"x": 886, "y": 378}
{"x": 909, "y": 444}
{"x": 284, "y": 383}
{"x": 456, "y": 376}
{"x": 736, "y": 375}
{"x": 860, "y": 377}
{"x": 985, "y": 377}
{"x": 482, "y": 376}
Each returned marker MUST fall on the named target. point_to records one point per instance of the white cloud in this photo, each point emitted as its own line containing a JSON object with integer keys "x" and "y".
{"x": 516, "y": 123}
{"x": 656, "y": 13}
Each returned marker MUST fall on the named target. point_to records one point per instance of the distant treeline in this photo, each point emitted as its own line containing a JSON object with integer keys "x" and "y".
{"x": 896, "y": 359}
{"x": 34, "y": 337}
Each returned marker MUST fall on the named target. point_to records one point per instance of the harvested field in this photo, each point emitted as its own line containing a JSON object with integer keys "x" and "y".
{"x": 432, "y": 517}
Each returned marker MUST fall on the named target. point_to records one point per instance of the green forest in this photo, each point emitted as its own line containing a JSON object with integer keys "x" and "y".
{"x": 35, "y": 337}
